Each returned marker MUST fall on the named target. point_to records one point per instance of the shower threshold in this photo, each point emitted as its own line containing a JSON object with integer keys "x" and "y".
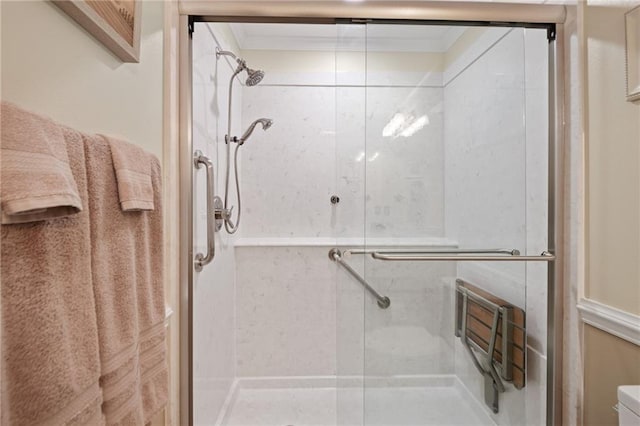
{"x": 391, "y": 401}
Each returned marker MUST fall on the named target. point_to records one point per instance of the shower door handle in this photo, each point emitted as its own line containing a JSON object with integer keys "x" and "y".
{"x": 200, "y": 259}
{"x": 545, "y": 256}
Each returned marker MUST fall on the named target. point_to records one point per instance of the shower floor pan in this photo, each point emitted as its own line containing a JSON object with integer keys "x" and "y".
{"x": 405, "y": 401}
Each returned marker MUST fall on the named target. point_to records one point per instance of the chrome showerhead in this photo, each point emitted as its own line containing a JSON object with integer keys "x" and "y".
{"x": 253, "y": 76}
{"x": 266, "y": 123}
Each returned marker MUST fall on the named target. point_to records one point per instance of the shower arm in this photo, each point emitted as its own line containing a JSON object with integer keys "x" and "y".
{"x": 242, "y": 65}
{"x": 220, "y": 52}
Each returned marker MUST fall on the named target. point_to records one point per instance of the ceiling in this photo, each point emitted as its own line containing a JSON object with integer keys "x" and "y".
{"x": 372, "y": 37}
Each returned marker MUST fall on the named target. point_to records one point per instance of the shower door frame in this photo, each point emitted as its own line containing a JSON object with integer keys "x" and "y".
{"x": 551, "y": 17}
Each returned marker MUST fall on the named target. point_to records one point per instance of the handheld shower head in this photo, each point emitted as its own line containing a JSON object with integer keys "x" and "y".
{"x": 265, "y": 122}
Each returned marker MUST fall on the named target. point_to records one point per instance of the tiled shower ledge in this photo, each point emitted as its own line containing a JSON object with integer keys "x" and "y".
{"x": 344, "y": 242}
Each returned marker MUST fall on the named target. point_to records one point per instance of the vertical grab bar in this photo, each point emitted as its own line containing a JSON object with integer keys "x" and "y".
{"x": 200, "y": 260}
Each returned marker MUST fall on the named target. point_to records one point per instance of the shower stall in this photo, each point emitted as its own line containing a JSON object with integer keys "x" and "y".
{"x": 397, "y": 259}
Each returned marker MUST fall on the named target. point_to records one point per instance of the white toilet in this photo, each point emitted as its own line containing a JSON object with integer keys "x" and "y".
{"x": 629, "y": 405}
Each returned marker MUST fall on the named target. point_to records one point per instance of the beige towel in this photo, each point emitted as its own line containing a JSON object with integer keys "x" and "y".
{"x": 37, "y": 182}
{"x": 133, "y": 173}
{"x": 50, "y": 360}
{"x": 127, "y": 277}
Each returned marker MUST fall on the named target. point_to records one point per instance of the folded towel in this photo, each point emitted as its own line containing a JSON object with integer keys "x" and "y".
{"x": 50, "y": 360}
{"x": 37, "y": 182}
{"x": 127, "y": 275}
{"x": 133, "y": 173}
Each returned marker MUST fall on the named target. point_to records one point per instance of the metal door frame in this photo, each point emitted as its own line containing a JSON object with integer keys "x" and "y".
{"x": 408, "y": 12}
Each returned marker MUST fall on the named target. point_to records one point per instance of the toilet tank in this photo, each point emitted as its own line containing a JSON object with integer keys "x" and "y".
{"x": 629, "y": 405}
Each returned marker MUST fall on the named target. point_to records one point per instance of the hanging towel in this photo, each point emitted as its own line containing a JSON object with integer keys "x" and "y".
{"x": 127, "y": 271}
{"x": 37, "y": 182}
{"x": 133, "y": 173}
{"x": 50, "y": 360}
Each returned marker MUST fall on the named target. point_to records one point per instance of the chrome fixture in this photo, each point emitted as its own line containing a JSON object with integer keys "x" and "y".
{"x": 544, "y": 257}
{"x": 253, "y": 78}
{"x": 488, "y": 255}
{"x": 213, "y": 205}
{"x": 266, "y": 123}
{"x": 383, "y": 301}
{"x": 512, "y": 252}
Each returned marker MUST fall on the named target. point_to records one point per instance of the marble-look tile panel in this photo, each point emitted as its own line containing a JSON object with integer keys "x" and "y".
{"x": 414, "y": 336}
{"x": 348, "y": 217}
{"x": 496, "y": 192}
{"x": 299, "y": 314}
{"x": 214, "y": 295}
{"x": 352, "y": 79}
{"x": 485, "y": 156}
{"x": 289, "y": 171}
{"x": 317, "y": 152}
{"x": 404, "y": 155}
{"x": 476, "y": 50}
{"x": 285, "y": 312}
{"x": 536, "y": 389}
{"x": 512, "y": 403}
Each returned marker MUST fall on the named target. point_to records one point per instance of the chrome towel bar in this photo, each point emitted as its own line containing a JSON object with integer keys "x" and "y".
{"x": 443, "y": 255}
{"x": 543, "y": 257}
{"x": 336, "y": 256}
{"x": 512, "y": 252}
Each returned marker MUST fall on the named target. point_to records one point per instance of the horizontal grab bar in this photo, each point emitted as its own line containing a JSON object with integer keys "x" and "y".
{"x": 336, "y": 256}
{"x": 544, "y": 257}
{"x": 512, "y": 252}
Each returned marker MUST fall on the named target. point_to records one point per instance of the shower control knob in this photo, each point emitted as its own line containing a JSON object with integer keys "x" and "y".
{"x": 335, "y": 199}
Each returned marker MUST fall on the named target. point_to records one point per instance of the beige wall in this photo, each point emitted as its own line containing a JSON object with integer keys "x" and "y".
{"x": 462, "y": 44}
{"x": 317, "y": 61}
{"x": 612, "y": 135}
{"x": 51, "y": 66}
{"x": 613, "y": 275}
{"x": 609, "y": 362}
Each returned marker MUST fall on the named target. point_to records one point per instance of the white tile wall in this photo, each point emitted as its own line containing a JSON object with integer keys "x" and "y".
{"x": 414, "y": 336}
{"x": 289, "y": 171}
{"x": 286, "y": 312}
{"x": 214, "y": 295}
{"x": 496, "y": 189}
{"x": 404, "y": 175}
{"x": 299, "y": 314}
{"x": 317, "y": 152}
{"x": 479, "y": 47}
{"x": 485, "y": 151}
{"x": 348, "y": 217}
{"x": 318, "y": 145}
{"x": 474, "y": 174}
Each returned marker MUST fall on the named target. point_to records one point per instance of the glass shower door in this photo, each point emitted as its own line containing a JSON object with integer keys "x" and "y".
{"x": 456, "y": 165}
{"x": 350, "y": 160}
